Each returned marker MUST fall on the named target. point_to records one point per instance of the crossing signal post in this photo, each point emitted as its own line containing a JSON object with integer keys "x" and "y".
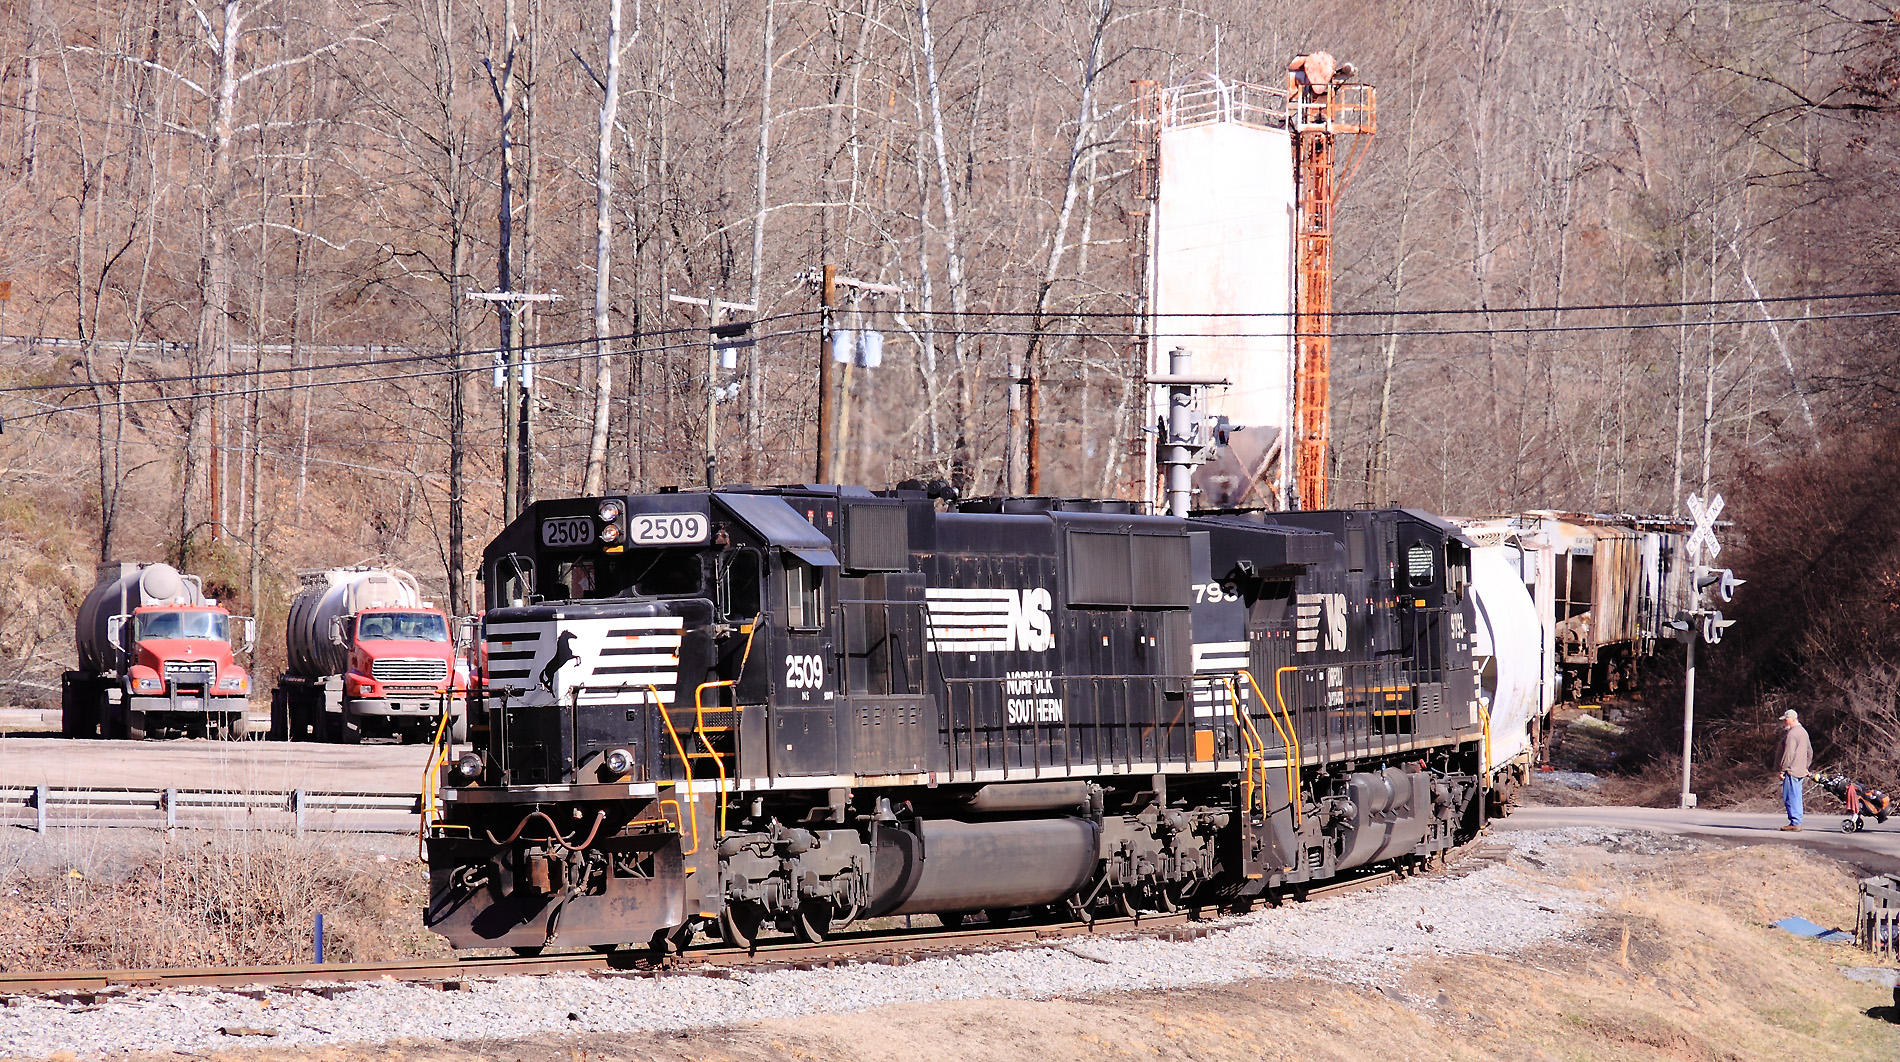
{"x": 1702, "y": 622}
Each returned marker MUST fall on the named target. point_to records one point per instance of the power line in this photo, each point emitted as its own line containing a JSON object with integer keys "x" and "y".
{"x": 48, "y": 409}
{"x": 1474, "y": 311}
{"x": 405, "y": 359}
{"x": 1626, "y": 326}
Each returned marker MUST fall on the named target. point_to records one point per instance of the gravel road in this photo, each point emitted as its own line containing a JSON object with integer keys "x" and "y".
{"x": 1511, "y": 903}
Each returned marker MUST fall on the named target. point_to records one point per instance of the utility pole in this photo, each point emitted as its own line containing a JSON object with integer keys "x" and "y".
{"x": 714, "y": 306}
{"x": 513, "y": 374}
{"x": 829, "y": 442}
{"x": 827, "y": 303}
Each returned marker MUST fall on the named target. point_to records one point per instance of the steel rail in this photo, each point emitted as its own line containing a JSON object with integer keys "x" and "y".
{"x": 704, "y": 959}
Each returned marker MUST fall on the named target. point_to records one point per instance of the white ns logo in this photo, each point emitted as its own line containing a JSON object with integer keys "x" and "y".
{"x": 805, "y": 672}
{"x": 1029, "y": 620}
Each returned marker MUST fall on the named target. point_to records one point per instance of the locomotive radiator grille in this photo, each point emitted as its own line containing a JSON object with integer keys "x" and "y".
{"x": 412, "y": 671}
{"x": 613, "y": 660}
{"x": 1217, "y": 661}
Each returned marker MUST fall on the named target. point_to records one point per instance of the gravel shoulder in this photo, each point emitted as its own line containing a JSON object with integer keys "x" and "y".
{"x": 1562, "y": 944}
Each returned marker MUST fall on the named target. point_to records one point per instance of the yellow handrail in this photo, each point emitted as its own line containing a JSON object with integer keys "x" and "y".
{"x": 431, "y": 802}
{"x": 1279, "y": 697}
{"x": 1484, "y": 769}
{"x": 1256, "y": 753}
{"x": 685, "y": 764}
{"x": 699, "y": 719}
{"x": 1289, "y": 738}
{"x": 699, "y": 731}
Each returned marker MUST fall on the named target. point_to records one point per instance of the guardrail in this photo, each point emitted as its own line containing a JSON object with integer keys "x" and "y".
{"x": 46, "y": 802}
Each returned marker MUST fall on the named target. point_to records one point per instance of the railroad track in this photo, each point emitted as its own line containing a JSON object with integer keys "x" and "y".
{"x": 898, "y": 947}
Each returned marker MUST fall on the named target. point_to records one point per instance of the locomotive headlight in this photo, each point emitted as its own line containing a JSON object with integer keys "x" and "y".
{"x": 610, "y": 534}
{"x": 618, "y": 761}
{"x": 610, "y": 511}
{"x": 468, "y": 767}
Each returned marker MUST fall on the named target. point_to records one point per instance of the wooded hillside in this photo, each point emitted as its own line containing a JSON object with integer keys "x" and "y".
{"x": 240, "y": 234}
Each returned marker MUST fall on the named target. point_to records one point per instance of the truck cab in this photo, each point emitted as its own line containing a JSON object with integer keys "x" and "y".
{"x": 183, "y": 676}
{"x": 403, "y": 662}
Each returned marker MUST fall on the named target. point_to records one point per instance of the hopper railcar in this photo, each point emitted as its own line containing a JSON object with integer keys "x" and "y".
{"x": 799, "y": 706}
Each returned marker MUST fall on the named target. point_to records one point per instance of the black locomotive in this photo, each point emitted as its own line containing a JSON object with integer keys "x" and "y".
{"x": 805, "y": 705}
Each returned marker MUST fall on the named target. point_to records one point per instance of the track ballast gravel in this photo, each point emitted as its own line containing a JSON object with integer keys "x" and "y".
{"x": 1366, "y": 938}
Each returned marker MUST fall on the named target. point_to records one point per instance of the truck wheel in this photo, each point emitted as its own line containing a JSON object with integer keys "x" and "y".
{"x": 134, "y": 725}
{"x": 76, "y": 721}
{"x": 237, "y": 726}
{"x": 346, "y": 732}
{"x": 279, "y": 717}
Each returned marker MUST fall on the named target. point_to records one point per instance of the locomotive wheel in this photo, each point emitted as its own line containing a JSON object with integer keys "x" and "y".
{"x": 996, "y": 916}
{"x": 739, "y": 925}
{"x": 1172, "y": 896}
{"x": 812, "y": 922}
{"x": 529, "y": 951}
{"x": 952, "y": 919}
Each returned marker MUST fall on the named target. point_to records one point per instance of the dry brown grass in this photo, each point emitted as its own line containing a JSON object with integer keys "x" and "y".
{"x": 209, "y": 898}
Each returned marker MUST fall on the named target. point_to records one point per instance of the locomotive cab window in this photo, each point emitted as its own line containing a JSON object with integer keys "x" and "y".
{"x": 1457, "y": 569}
{"x": 803, "y": 587}
{"x": 1421, "y": 565}
{"x": 513, "y": 581}
{"x": 740, "y": 581}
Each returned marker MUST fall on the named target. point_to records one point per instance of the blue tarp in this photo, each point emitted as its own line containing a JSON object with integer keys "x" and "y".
{"x": 1801, "y": 927}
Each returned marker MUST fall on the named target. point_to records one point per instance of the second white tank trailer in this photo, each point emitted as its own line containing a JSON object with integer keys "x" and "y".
{"x": 367, "y": 656}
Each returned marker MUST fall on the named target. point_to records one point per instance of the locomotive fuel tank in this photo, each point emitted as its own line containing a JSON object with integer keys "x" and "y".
{"x": 948, "y": 865}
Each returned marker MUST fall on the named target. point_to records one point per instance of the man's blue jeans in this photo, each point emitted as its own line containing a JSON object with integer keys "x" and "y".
{"x": 1791, "y": 796}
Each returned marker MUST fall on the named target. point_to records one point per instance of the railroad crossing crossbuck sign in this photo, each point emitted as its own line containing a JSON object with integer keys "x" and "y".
{"x": 1703, "y": 537}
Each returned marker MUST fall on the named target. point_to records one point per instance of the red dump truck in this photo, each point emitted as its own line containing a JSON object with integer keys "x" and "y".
{"x": 155, "y": 659}
{"x": 368, "y": 657}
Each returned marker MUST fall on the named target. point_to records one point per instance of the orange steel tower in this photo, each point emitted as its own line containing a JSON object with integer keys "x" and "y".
{"x": 1323, "y": 105}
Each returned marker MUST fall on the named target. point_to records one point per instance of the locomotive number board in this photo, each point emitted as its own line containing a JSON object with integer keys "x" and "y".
{"x": 667, "y": 529}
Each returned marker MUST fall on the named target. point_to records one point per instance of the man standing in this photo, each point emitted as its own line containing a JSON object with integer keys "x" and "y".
{"x": 1796, "y": 756}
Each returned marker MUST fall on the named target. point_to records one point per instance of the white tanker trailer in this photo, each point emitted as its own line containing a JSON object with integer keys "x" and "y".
{"x": 367, "y": 656}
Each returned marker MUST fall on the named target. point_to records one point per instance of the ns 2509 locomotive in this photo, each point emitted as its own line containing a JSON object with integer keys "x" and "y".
{"x": 800, "y": 706}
